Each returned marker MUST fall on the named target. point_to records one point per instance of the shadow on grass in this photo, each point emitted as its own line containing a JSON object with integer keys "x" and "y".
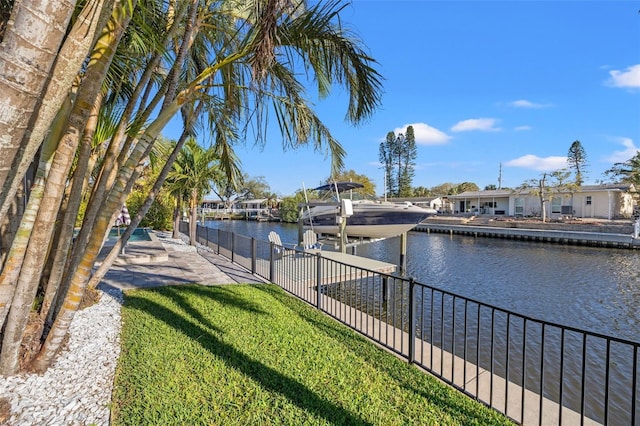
{"x": 440, "y": 394}
{"x": 269, "y": 378}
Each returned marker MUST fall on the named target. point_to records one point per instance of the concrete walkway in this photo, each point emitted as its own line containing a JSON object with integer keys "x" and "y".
{"x": 164, "y": 261}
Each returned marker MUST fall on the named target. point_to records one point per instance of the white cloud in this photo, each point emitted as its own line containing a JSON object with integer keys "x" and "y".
{"x": 425, "y": 134}
{"x": 625, "y": 154}
{"x": 628, "y": 78}
{"x": 522, "y": 103}
{"x": 481, "y": 124}
{"x": 533, "y": 162}
{"x": 522, "y": 128}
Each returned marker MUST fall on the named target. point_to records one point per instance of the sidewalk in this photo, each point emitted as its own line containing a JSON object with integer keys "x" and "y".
{"x": 165, "y": 261}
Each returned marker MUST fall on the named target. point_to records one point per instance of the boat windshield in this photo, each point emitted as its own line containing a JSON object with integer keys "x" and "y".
{"x": 333, "y": 192}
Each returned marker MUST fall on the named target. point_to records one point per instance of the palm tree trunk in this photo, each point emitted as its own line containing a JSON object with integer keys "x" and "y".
{"x": 47, "y": 213}
{"x": 193, "y": 217}
{"x": 17, "y": 253}
{"x": 27, "y": 53}
{"x": 67, "y": 64}
{"x": 65, "y": 238}
{"x": 81, "y": 263}
{"x": 177, "y": 217}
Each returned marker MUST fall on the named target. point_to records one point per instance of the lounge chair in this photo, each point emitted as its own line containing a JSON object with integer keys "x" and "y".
{"x": 309, "y": 243}
{"x": 279, "y": 249}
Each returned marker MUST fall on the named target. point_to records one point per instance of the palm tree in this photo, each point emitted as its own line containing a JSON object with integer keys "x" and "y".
{"x": 236, "y": 62}
{"x": 19, "y": 146}
{"x": 193, "y": 174}
{"x": 626, "y": 172}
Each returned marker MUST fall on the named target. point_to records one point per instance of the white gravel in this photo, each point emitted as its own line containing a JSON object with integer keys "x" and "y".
{"x": 76, "y": 389}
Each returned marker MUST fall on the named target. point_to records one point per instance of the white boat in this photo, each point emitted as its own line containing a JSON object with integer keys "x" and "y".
{"x": 371, "y": 219}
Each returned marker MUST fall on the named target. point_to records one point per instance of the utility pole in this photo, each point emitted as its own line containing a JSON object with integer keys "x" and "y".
{"x": 500, "y": 177}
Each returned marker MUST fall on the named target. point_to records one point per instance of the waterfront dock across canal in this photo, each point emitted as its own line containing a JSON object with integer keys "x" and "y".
{"x": 600, "y": 239}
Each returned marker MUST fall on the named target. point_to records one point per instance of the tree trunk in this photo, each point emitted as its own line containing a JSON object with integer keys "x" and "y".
{"x": 81, "y": 262}
{"x": 193, "y": 218}
{"x": 28, "y": 50}
{"x": 65, "y": 237}
{"x": 18, "y": 252}
{"x": 67, "y": 64}
{"x": 176, "y": 218}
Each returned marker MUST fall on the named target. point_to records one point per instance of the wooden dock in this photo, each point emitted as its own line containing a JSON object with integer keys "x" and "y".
{"x": 360, "y": 262}
{"x": 301, "y": 268}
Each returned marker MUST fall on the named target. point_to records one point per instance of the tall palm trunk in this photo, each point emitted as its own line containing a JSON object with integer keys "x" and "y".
{"x": 17, "y": 253}
{"x": 116, "y": 156}
{"x": 43, "y": 227}
{"x": 193, "y": 217}
{"x": 64, "y": 240}
{"x": 55, "y": 190}
{"x": 177, "y": 216}
{"x": 79, "y": 270}
{"x": 28, "y": 50}
{"x": 67, "y": 64}
{"x": 170, "y": 84}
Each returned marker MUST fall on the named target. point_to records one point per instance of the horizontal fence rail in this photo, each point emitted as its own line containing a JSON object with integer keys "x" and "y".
{"x": 533, "y": 371}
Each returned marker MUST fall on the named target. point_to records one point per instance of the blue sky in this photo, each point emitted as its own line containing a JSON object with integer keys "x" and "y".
{"x": 483, "y": 83}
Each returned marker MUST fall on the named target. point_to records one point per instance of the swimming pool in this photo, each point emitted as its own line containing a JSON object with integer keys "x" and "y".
{"x": 139, "y": 234}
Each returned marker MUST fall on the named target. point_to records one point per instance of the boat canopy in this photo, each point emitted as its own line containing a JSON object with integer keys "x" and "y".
{"x": 340, "y": 186}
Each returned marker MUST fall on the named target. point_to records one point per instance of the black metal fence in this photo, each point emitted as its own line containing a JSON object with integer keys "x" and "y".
{"x": 533, "y": 371}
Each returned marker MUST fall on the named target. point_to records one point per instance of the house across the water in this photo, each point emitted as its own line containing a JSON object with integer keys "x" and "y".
{"x": 612, "y": 201}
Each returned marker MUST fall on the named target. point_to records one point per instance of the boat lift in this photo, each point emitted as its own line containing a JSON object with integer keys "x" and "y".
{"x": 344, "y": 211}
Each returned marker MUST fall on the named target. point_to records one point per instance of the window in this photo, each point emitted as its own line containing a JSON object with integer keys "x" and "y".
{"x": 588, "y": 200}
{"x": 519, "y": 205}
{"x": 556, "y": 205}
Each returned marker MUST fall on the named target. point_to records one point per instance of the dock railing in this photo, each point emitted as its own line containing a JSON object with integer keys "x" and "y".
{"x": 533, "y": 371}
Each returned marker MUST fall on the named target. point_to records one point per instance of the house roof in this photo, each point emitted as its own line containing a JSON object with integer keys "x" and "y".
{"x": 496, "y": 193}
{"x": 254, "y": 201}
{"x": 413, "y": 199}
{"x": 484, "y": 194}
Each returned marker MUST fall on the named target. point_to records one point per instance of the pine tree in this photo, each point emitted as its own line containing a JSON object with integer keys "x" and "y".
{"x": 407, "y": 170}
{"x": 398, "y": 154}
{"x": 577, "y": 159}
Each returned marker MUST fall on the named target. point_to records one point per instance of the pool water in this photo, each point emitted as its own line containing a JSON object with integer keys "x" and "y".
{"x": 139, "y": 234}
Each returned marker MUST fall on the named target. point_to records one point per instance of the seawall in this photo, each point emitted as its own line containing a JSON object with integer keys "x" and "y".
{"x": 598, "y": 234}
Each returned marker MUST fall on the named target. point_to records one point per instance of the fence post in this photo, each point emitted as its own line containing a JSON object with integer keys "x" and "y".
{"x": 233, "y": 246}
{"x": 412, "y": 322}
{"x": 207, "y": 237}
{"x": 318, "y": 280}
{"x": 385, "y": 282}
{"x": 218, "y": 252}
{"x": 253, "y": 255}
{"x": 271, "y": 263}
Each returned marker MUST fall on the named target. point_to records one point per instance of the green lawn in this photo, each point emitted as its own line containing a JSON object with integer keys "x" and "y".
{"x": 251, "y": 354}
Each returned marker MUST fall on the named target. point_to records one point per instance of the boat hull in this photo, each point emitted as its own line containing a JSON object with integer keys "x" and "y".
{"x": 369, "y": 220}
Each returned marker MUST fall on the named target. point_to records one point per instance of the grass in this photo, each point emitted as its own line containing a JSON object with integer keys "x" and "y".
{"x": 251, "y": 354}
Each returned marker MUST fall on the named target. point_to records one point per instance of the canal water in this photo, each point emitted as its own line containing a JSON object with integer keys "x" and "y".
{"x": 590, "y": 288}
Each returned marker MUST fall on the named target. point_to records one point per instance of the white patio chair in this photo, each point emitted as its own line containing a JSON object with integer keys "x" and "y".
{"x": 279, "y": 249}
{"x": 310, "y": 243}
